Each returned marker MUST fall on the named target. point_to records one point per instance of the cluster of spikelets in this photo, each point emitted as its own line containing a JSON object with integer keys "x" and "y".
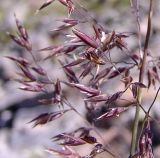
{"x": 91, "y": 55}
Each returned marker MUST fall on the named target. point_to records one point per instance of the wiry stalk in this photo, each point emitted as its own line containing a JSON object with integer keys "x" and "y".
{"x": 141, "y": 78}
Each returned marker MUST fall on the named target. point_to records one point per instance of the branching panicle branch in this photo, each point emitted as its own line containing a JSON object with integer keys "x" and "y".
{"x": 91, "y": 53}
{"x": 141, "y": 78}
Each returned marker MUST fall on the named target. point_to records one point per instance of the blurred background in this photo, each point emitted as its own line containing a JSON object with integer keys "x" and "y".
{"x": 17, "y": 138}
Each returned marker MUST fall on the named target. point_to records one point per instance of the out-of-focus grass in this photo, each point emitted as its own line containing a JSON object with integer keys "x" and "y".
{"x": 121, "y": 4}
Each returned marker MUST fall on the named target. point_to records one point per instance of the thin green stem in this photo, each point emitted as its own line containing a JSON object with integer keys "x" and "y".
{"x": 141, "y": 78}
{"x": 135, "y": 126}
